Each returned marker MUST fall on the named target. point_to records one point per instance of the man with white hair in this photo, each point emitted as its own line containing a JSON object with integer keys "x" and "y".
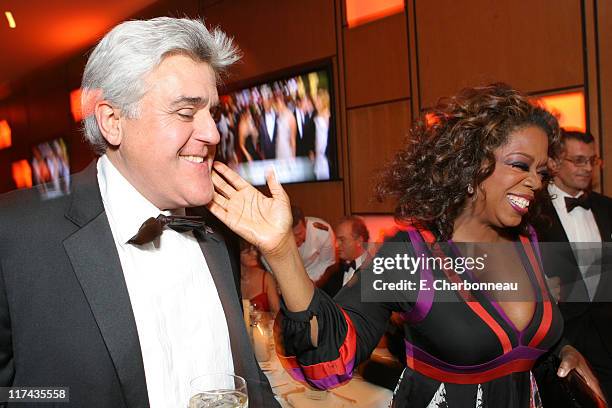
{"x": 113, "y": 291}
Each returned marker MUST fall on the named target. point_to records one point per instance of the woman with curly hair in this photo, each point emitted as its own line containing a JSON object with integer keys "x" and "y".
{"x": 473, "y": 171}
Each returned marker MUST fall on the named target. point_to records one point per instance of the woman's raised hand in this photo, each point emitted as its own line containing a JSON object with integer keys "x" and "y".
{"x": 263, "y": 221}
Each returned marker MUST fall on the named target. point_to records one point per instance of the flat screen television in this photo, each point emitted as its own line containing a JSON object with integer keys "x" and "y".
{"x": 51, "y": 168}
{"x": 286, "y": 123}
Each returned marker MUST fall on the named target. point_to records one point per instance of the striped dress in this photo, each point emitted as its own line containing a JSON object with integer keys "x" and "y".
{"x": 462, "y": 352}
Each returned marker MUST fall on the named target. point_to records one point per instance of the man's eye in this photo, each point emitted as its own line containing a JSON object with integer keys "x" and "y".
{"x": 186, "y": 113}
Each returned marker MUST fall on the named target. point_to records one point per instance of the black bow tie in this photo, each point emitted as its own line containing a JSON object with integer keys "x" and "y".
{"x": 583, "y": 201}
{"x": 346, "y": 266}
{"x": 153, "y": 227}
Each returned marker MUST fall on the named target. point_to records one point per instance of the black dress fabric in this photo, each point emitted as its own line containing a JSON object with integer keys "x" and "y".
{"x": 464, "y": 353}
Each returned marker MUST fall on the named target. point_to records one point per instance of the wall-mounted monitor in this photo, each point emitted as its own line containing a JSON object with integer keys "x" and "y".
{"x": 286, "y": 123}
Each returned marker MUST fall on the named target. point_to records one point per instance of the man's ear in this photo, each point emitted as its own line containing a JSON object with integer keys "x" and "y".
{"x": 361, "y": 242}
{"x": 553, "y": 165}
{"x": 108, "y": 118}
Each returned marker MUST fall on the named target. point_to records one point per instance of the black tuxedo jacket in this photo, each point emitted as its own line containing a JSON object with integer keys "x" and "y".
{"x": 267, "y": 146}
{"x": 65, "y": 313}
{"x": 331, "y": 281}
{"x": 560, "y": 258}
{"x": 588, "y": 325}
{"x": 305, "y": 141}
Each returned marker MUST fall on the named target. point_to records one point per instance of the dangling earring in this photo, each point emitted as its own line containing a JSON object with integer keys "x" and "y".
{"x": 470, "y": 189}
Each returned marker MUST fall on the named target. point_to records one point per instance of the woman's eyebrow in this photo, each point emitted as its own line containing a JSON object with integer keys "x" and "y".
{"x": 527, "y": 155}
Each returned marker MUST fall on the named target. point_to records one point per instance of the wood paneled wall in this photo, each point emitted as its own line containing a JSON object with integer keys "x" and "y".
{"x": 384, "y": 73}
{"x": 376, "y": 69}
{"x": 604, "y": 84}
{"x": 532, "y": 45}
{"x": 275, "y": 34}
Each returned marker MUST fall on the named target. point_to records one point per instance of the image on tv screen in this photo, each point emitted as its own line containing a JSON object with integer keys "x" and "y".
{"x": 51, "y": 168}
{"x": 285, "y": 124}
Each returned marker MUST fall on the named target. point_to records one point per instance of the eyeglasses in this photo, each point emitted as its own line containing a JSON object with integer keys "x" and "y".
{"x": 581, "y": 161}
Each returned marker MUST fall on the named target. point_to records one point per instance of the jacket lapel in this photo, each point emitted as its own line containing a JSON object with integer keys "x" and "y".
{"x": 601, "y": 214}
{"x": 602, "y": 218}
{"x": 222, "y": 274}
{"x": 96, "y": 265}
{"x": 219, "y": 264}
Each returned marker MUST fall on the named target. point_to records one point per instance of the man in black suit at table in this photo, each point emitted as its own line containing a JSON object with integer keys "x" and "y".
{"x": 576, "y": 251}
{"x": 352, "y": 238}
{"x": 112, "y": 290}
{"x": 267, "y": 124}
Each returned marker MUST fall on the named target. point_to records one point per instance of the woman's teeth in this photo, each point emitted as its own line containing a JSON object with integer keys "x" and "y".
{"x": 518, "y": 201}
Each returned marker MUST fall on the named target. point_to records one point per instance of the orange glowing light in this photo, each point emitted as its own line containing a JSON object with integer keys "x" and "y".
{"x": 380, "y": 227}
{"x": 5, "y": 135}
{"x": 363, "y": 11}
{"x": 568, "y": 108}
{"x": 431, "y": 119}
{"x": 75, "y": 105}
{"x": 10, "y": 19}
{"x": 22, "y": 174}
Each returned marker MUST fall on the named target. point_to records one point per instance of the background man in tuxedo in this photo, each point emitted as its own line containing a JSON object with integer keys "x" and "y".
{"x": 304, "y": 117}
{"x": 352, "y": 238}
{"x": 576, "y": 252}
{"x": 267, "y": 126}
{"x": 87, "y": 300}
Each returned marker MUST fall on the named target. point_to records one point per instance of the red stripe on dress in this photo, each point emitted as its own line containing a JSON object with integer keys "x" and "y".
{"x": 493, "y": 325}
{"x": 341, "y": 366}
{"x": 469, "y": 378}
{"x": 547, "y": 315}
{"x": 478, "y": 309}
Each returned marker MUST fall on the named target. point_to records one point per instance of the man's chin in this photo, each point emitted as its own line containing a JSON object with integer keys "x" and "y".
{"x": 582, "y": 186}
{"x": 199, "y": 200}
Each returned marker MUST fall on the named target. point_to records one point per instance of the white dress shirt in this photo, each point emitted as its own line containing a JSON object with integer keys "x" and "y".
{"x": 318, "y": 251}
{"x": 299, "y": 116}
{"x": 270, "y": 118}
{"x": 583, "y": 235}
{"x": 349, "y": 274}
{"x": 179, "y": 317}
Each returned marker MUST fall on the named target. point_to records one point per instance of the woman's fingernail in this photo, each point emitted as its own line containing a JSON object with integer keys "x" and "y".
{"x": 561, "y": 372}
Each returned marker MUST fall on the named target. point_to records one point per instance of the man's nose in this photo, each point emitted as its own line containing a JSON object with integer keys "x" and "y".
{"x": 205, "y": 129}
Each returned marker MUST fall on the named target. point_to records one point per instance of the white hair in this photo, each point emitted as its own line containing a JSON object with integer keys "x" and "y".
{"x": 117, "y": 67}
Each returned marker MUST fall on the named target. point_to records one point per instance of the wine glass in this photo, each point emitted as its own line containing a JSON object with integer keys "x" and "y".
{"x": 218, "y": 391}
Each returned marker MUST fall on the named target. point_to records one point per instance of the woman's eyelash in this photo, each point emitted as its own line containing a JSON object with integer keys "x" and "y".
{"x": 545, "y": 174}
{"x": 522, "y": 166}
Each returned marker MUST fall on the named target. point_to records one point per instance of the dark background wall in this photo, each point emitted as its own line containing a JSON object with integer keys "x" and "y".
{"x": 384, "y": 73}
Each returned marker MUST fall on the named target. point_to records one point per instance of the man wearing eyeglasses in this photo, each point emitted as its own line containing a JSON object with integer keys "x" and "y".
{"x": 578, "y": 240}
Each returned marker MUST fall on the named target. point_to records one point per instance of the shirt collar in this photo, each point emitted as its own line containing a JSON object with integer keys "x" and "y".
{"x": 558, "y": 194}
{"x": 125, "y": 207}
{"x": 360, "y": 259}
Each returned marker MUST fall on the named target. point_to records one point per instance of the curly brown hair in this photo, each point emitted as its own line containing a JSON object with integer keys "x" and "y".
{"x": 452, "y": 146}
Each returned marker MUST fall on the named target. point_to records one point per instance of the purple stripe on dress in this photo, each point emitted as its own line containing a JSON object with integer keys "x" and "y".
{"x": 330, "y": 381}
{"x": 535, "y": 242}
{"x": 425, "y": 297}
{"x": 518, "y": 353}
